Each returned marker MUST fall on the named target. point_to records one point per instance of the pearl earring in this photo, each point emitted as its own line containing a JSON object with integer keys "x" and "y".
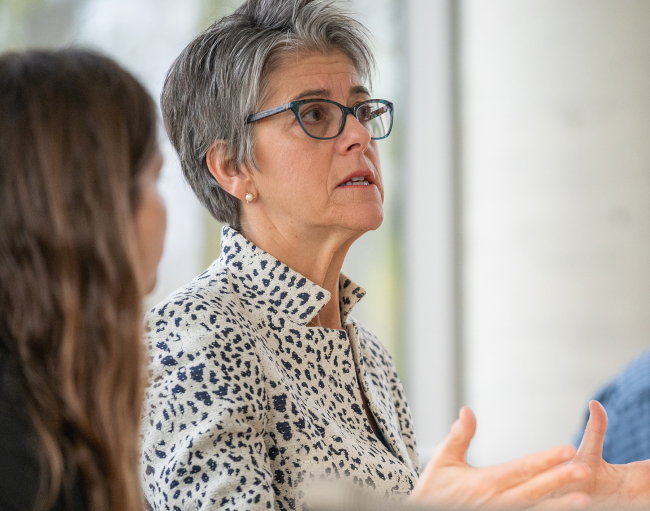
{"x": 250, "y": 197}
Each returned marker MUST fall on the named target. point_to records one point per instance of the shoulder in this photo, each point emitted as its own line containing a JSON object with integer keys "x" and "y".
{"x": 19, "y": 463}
{"x": 204, "y": 366}
{"x": 212, "y": 291}
{"x": 627, "y": 401}
{"x": 202, "y": 334}
{"x": 211, "y": 306}
{"x": 629, "y": 387}
{"x": 15, "y": 423}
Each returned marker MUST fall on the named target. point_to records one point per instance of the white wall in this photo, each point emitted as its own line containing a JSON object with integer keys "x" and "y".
{"x": 555, "y": 105}
{"x": 431, "y": 373}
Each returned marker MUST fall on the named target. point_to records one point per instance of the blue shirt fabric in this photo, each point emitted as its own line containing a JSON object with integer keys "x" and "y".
{"x": 627, "y": 401}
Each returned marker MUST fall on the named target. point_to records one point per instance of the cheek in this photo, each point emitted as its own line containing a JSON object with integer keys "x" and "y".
{"x": 372, "y": 154}
{"x": 160, "y": 226}
{"x": 294, "y": 172}
{"x": 310, "y": 175}
{"x": 373, "y": 157}
{"x": 151, "y": 223}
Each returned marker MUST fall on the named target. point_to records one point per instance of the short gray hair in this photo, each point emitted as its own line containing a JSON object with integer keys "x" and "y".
{"x": 219, "y": 79}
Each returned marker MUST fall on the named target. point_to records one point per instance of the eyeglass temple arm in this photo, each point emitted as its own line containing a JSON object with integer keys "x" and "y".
{"x": 378, "y": 112}
{"x": 268, "y": 113}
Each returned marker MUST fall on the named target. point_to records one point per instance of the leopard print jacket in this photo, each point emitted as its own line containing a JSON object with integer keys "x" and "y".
{"x": 247, "y": 404}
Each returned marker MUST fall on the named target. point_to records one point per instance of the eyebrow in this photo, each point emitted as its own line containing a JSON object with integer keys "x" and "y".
{"x": 320, "y": 93}
{"x": 325, "y": 94}
{"x": 359, "y": 89}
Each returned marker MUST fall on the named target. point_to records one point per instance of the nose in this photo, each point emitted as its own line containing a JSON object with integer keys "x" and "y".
{"x": 354, "y": 136}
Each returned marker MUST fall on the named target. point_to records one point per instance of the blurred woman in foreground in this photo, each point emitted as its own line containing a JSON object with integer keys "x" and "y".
{"x": 81, "y": 234}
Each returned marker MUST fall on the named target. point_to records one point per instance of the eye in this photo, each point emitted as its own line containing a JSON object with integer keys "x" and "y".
{"x": 313, "y": 114}
{"x": 364, "y": 113}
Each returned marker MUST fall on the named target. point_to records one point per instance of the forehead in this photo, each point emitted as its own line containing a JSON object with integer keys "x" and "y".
{"x": 301, "y": 71}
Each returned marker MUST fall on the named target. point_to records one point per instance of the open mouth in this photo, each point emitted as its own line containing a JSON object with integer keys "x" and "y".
{"x": 359, "y": 178}
{"x": 356, "y": 181}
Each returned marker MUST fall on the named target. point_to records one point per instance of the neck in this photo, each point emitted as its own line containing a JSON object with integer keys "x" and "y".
{"x": 316, "y": 253}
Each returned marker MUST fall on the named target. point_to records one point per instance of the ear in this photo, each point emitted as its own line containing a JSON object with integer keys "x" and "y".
{"x": 237, "y": 181}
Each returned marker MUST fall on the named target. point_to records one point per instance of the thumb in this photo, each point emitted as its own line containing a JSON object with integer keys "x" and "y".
{"x": 592, "y": 442}
{"x": 453, "y": 449}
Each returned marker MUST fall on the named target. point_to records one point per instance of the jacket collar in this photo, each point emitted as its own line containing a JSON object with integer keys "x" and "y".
{"x": 267, "y": 284}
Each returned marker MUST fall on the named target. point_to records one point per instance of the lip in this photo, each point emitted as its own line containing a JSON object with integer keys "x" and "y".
{"x": 366, "y": 174}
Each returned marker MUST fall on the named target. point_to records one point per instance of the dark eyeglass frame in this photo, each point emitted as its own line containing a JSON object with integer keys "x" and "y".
{"x": 294, "y": 106}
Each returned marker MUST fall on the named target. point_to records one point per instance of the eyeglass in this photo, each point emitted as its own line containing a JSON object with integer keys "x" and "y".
{"x": 324, "y": 119}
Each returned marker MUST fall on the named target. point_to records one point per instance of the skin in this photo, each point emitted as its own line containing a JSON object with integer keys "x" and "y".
{"x": 530, "y": 482}
{"x": 610, "y": 486}
{"x": 150, "y": 224}
{"x": 303, "y": 217}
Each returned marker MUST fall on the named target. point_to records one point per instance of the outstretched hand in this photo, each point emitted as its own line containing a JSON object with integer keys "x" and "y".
{"x": 448, "y": 481}
{"x": 609, "y": 485}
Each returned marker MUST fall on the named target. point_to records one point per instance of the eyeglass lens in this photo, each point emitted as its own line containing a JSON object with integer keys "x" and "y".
{"x": 323, "y": 120}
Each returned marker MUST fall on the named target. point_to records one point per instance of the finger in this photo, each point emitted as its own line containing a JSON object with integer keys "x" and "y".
{"x": 468, "y": 420}
{"x": 574, "y": 500}
{"x": 592, "y": 441}
{"x": 516, "y": 472}
{"x": 532, "y": 491}
{"x": 454, "y": 448}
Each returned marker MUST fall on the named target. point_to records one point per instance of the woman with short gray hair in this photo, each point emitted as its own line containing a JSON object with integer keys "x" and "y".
{"x": 261, "y": 381}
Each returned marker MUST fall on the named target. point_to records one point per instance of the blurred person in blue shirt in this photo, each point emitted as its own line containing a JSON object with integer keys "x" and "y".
{"x": 626, "y": 399}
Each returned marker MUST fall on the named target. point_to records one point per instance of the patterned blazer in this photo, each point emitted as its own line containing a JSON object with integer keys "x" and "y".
{"x": 246, "y": 403}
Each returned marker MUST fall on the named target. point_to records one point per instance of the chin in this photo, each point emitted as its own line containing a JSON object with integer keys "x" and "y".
{"x": 369, "y": 219}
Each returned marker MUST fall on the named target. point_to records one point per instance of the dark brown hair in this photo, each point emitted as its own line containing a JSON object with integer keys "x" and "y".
{"x": 76, "y": 131}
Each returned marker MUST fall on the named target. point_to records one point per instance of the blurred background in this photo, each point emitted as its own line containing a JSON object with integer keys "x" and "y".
{"x": 512, "y": 272}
